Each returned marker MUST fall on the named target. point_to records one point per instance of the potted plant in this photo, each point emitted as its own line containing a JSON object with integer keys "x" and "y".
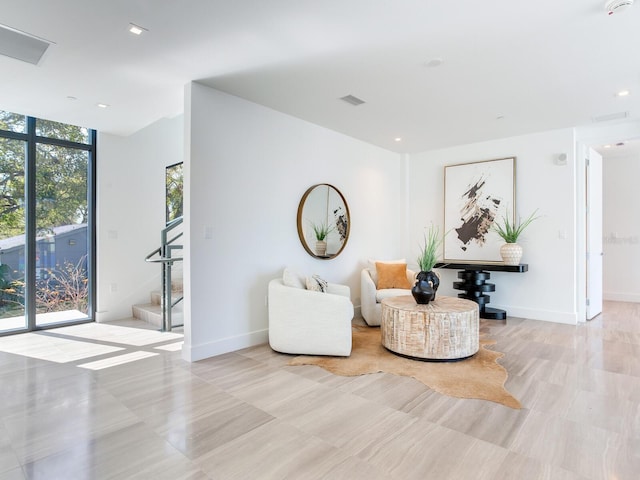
{"x": 321, "y": 231}
{"x": 509, "y": 231}
{"x": 427, "y": 281}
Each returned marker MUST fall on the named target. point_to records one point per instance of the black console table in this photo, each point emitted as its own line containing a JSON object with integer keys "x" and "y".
{"x": 474, "y": 277}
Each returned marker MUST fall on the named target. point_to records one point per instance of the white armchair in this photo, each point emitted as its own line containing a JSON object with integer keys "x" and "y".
{"x": 370, "y": 296}
{"x": 308, "y": 322}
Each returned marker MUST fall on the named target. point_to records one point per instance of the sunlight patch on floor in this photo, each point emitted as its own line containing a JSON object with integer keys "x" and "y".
{"x": 59, "y": 350}
{"x": 80, "y": 343}
{"x": 118, "y": 334}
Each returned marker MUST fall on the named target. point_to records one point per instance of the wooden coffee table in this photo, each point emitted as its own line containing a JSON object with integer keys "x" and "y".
{"x": 445, "y": 329}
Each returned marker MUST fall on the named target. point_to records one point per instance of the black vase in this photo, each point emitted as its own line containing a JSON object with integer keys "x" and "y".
{"x": 422, "y": 292}
{"x": 432, "y": 278}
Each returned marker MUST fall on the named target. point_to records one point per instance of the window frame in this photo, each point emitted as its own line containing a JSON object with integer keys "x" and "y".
{"x": 31, "y": 141}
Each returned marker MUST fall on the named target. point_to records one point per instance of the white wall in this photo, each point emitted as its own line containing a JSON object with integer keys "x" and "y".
{"x": 548, "y": 291}
{"x": 246, "y": 168}
{"x": 130, "y": 213}
{"x": 621, "y": 227}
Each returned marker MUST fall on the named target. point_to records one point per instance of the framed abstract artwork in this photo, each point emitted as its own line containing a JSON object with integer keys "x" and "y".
{"x": 475, "y": 195}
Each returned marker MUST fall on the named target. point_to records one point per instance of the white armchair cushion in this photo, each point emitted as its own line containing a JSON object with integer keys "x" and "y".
{"x": 370, "y": 297}
{"x": 337, "y": 289}
{"x": 307, "y": 322}
{"x": 390, "y": 292}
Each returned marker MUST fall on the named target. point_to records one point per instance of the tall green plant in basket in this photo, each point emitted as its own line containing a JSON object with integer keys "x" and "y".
{"x": 432, "y": 240}
{"x": 511, "y": 252}
{"x": 510, "y": 231}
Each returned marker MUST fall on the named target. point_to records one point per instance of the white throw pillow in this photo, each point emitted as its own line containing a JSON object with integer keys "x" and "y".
{"x": 316, "y": 284}
{"x": 292, "y": 279}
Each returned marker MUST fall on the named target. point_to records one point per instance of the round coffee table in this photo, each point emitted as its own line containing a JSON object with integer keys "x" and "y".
{"x": 445, "y": 329}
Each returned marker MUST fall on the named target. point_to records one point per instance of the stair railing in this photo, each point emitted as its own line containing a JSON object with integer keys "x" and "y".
{"x": 166, "y": 259}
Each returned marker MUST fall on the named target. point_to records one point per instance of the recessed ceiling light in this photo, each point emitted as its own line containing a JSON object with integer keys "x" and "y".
{"x": 102, "y": 105}
{"x": 607, "y": 146}
{"x": 137, "y": 29}
{"x": 623, "y": 93}
{"x": 434, "y": 62}
{"x": 398, "y": 139}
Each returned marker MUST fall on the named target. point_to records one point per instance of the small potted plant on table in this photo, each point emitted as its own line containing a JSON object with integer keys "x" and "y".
{"x": 509, "y": 231}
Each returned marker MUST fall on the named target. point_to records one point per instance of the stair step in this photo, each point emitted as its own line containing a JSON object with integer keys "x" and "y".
{"x": 156, "y": 297}
{"x": 152, "y": 314}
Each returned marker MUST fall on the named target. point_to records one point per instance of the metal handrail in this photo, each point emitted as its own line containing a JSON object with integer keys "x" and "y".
{"x": 166, "y": 260}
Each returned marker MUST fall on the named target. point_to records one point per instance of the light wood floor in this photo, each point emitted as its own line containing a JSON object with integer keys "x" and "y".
{"x": 100, "y": 401}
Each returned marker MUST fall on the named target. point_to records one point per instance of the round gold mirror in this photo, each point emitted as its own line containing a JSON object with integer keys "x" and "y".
{"x": 323, "y": 221}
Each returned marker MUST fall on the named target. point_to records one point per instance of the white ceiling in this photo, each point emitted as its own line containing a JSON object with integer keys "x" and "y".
{"x": 509, "y": 67}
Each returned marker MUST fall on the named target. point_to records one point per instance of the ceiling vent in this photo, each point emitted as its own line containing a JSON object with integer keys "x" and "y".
{"x": 22, "y": 46}
{"x": 355, "y": 101}
{"x": 616, "y": 6}
{"x": 611, "y": 116}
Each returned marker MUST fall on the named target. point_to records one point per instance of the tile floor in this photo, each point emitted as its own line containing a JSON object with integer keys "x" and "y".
{"x": 113, "y": 401}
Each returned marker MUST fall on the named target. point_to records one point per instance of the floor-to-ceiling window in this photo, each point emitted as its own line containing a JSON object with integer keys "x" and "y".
{"x": 47, "y": 234}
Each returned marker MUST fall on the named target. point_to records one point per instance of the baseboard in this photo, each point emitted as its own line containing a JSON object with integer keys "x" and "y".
{"x": 224, "y": 345}
{"x": 621, "y": 297}
{"x": 117, "y": 313}
{"x": 569, "y": 318}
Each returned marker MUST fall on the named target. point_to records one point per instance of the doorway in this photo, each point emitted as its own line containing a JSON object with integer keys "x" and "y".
{"x": 621, "y": 227}
{"x": 593, "y": 223}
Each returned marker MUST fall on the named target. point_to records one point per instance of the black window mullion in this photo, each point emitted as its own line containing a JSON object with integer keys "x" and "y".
{"x": 30, "y": 231}
{"x": 63, "y": 143}
{"x": 91, "y": 225}
{"x": 13, "y": 135}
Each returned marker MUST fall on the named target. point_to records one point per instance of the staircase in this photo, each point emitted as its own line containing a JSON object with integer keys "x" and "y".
{"x": 152, "y": 312}
{"x": 168, "y": 300}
